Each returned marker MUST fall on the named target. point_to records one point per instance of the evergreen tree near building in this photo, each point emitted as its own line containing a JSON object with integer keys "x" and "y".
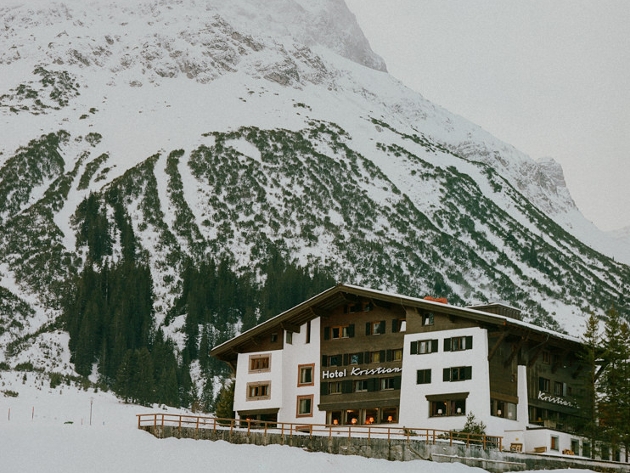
{"x": 225, "y": 401}
{"x": 587, "y": 401}
{"x": 614, "y": 384}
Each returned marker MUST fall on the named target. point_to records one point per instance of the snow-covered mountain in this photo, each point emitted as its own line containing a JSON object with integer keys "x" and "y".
{"x": 244, "y": 128}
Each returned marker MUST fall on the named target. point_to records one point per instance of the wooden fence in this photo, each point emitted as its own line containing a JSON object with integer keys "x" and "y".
{"x": 431, "y": 436}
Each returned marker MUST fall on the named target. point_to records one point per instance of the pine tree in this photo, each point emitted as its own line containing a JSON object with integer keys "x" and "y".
{"x": 126, "y": 377}
{"x": 225, "y": 401}
{"x": 145, "y": 384}
{"x": 590, "y": 360}
{"x": 615, "y": 382}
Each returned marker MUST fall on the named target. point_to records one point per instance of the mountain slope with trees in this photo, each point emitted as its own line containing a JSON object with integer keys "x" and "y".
{"x": 176, "y": 173}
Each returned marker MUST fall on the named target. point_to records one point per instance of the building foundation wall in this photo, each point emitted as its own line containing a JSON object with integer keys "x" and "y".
{"x": 494, "y": 461}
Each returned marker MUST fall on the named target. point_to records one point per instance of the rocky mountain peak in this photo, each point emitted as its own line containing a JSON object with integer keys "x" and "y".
{"x": 68, "y": 31}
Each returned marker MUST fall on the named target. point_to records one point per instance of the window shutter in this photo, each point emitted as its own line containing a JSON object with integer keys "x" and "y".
{"x": 346, "y": 386}
{"x": 397, "y": 382}
{"x": 427, "y": 377}
{"x": 323, "y": 389}
{"x": 447, "y": 344}
{"x": 469, "y": 343}
{"x": 390, "y": 355}
{"x": 373, "y": 384}
{"x": 368, "y": 326}
{"x": 414, "y": 348}
{"x": 360, "y": 355}
{"x": 434, "y": 346}
{"x": 446, "y": 374}
{"x": 366, "y": 357}
{"x": 468, "y": 372}
{"x": 351, "y": 331}
{"x": 324, "y": 361}
{"x": 419, "y": 377}
{"x": 326, "y": 333}
{"x": 382, "y": 356}
{"x": 395, "y": 326}
{"x": 382, "y": 326}
{"x": 345, "y": 359}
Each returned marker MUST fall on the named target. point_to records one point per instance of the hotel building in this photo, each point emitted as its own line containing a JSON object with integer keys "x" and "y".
{"x": 352, "y": 355}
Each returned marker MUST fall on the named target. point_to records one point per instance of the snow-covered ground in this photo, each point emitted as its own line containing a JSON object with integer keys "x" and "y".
{"x": 48, "y": 430}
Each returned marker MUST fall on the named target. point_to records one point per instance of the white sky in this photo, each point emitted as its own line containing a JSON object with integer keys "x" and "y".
{"x": 551, "y": 77}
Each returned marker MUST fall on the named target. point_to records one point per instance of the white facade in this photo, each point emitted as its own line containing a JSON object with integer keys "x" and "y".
{"x": 283, "y": 377}
{"x": 414, "y": 406}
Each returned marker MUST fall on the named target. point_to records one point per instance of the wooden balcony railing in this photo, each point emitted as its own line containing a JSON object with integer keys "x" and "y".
{"x": 432, "y": 436}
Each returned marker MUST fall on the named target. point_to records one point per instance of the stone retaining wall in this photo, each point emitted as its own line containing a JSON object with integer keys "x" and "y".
{"x": 493, "y": 461}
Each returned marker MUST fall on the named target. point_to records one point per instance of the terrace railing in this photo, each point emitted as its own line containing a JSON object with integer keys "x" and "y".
{"x": 288, "y": 429}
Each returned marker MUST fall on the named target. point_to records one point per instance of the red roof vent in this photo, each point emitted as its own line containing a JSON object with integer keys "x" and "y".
{"x": 441, "y": 300}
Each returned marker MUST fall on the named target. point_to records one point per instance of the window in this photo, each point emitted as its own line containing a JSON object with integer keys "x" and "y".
{"x": 334, "y": 417}
{"x": 308, "y": 332}
{"x": 558, "y": 388}
{"x": 447, "y": 407}
{"x": 360, "y": 386}
{"x": 428, "y": 319}
{"x": 306, "y": 375}
{"x": 458, "y": 343}
{"x": 355, "y": 358}
{"x": 371, "y": 416}
{"x": 544, "y": 385}
{"x": 397, "y": 354}
{"x": 334, "y": 387}
{"x": 339, "y": 331}
{"x": 289, "y": 337}
{"x": 422, "y": 347}
{"x": 359, "y": 307}
{"x": 259, "y": 391}
{"x": 458, "y": 373}
{"x": 259, "y": 363}
{"x": 423, "y": 377}
{"x": 388, "y": 383}
{"x": 504, "y": 409}
{"x": 555, "y": 442}
{"x": 389, "y": 415}
{"x": 305, "y": 406}
{"x": 334, "y": 360}
{"x": 274, "y": 337}
{"x": 546, "y": 357}
{"x": 399, "y": 325}
{"x": 375, "y": 357}
{"x": 586, "y": 449}
{"x": 375, "y": 328}
{"x": 575, "y": 446}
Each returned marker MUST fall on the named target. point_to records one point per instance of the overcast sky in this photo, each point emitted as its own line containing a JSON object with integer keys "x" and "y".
{"x": 551, "y": 77}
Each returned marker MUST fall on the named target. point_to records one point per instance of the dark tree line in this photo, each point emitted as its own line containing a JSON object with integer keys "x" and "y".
{"x": 108, "y": 313}
{"x": 605, "y": 404}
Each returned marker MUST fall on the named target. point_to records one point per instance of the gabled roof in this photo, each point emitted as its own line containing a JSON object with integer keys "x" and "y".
{"x": 322, "y": 303}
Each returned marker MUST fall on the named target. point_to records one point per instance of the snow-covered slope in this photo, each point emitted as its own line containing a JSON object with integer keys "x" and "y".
{"x": 45, "y": 429}
{"x": 231, "y": 129}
